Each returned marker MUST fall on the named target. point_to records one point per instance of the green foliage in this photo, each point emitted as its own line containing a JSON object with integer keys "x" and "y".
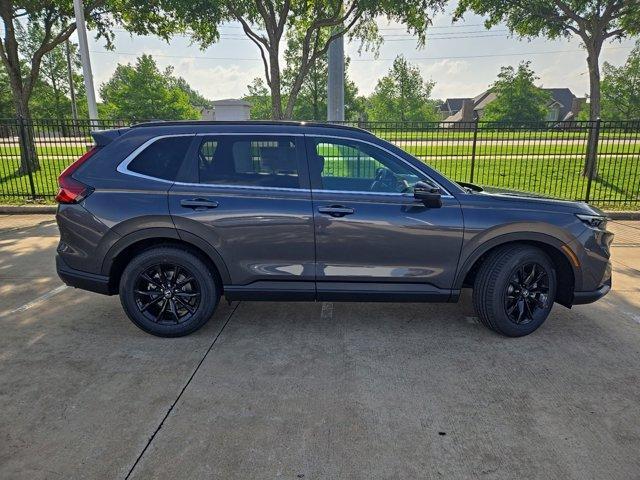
{"x": 402, "y": 95}
{"x": 260, "y": 99}
{"x": 51, "y": 97}
{"x": 142, "y": 92}
{"x": 311, "y": 101}
{"x": 621, "y": 88}
{"x": 6, "y": 100}
{"x": 557, "y": 18}
{"x": 518, "y": 100}
{"x": 195, "y": 98}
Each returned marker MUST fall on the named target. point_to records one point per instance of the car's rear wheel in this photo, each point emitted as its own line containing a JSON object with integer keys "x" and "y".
{"x": 515, "y": 289}
{"x": 168, "y": 292}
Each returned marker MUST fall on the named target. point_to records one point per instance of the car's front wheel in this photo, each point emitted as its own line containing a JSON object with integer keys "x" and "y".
{"x": 514, "y": 290}
{"x": 168, "y": 292}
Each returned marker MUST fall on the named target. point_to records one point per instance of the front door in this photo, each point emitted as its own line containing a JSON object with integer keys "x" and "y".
{"x": 372, "y": 237}
{"x": 249, "y": 198}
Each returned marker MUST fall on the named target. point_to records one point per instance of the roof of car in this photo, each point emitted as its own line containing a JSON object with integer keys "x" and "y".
{"x": 287, "y": 123}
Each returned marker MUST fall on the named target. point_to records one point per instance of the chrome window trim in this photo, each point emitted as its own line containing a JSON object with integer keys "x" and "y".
{"x": 448, "y": 194}
{"x": 123, "y": 167}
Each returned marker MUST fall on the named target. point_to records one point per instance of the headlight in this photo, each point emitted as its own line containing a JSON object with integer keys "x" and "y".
{"x": 593, "y": 221}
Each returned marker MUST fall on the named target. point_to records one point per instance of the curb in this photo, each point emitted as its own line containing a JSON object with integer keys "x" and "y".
{"x": 23, "y": 209}
{"x": 623, "y": 215}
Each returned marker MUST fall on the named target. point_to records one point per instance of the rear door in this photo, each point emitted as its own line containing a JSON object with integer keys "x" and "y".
{"x": 372, "y": 237}
{"x": 248, "y": 196}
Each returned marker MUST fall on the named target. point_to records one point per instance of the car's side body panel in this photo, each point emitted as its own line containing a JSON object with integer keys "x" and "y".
{"x": 388, "y": 238}
{"x": 261, "y": 234}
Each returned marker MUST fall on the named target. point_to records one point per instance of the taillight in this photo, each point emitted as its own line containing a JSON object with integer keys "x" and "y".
{"x": 72, "y": 190}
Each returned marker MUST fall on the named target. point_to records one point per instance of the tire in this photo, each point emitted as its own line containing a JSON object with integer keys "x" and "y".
{"x": 168, "y": 292}
{"x": 504, "y": 301}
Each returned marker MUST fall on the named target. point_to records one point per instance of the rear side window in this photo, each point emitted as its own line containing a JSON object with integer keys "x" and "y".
{"x": 270, "y": 161}
{"x": 163, "y": 158}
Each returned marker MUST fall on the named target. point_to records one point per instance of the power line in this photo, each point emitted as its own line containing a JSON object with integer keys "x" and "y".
{"x": 391, "y": 36}
{"x": 520, "y": 54}
{"x": 447, "y": 57}
{"x": 442, "y": 38}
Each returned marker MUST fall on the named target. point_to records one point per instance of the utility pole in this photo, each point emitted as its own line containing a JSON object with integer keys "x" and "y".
{"x": 72, "y": 90}
{"x": 78, "y": 8}
{"x": 335, "y": 82}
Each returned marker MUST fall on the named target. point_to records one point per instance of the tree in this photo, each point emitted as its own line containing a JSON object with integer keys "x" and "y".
{"x": 51, "y": 93}
{"x": 142, "y": 92}
{"x": 518, "y": 101}
{"x": 402, "y": 95}
{"x": 594, "y": 21}
{"x": 195, "y": 98}
{"x": 57, "y": 20}
{"x": 621, "y": 88}
{"x": 260, "y": 100}
{"x": 311, "y": 103}
{"x": 264, "y": 23}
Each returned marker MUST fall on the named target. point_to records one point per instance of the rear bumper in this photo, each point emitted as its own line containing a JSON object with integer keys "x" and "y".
{"x": 82, "y": 280}
{"x": 580, "y": 298}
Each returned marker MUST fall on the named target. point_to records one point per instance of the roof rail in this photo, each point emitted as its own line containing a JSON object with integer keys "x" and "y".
{"x": 170, "y": 123}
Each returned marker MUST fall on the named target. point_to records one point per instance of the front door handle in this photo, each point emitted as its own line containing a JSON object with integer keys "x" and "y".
{"x": 199, "y": 203}
{"x": 336, "y": 210}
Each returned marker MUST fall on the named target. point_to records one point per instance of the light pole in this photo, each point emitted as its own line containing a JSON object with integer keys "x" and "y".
{"x": 72, "y": 90}
{"x": 78, "y": 8}
{"x": 335, "y": 81}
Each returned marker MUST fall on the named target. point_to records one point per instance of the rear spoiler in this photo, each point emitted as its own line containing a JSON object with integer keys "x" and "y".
{"x": 104, "y": 137}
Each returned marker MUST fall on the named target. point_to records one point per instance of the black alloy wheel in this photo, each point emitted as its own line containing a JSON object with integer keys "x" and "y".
{"x": 527, "y": 293}
{"x": 167, "y": 293}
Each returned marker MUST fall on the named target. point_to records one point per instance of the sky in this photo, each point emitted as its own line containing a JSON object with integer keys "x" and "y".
{"x": 462, "y": 59}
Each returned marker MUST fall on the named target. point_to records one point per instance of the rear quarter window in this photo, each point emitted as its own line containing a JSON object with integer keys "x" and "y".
{"x": 163, "y": 158}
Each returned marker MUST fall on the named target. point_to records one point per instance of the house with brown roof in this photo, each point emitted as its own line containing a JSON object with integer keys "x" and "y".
{"x": 563, "y": 106}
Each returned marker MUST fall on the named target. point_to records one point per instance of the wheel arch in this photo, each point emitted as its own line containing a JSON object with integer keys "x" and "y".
{"x": 130, "y": 245}
{"x": 569, "y": 279}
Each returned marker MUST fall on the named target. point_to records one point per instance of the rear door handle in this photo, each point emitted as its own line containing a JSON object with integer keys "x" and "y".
{"x": 199, "y": 203}
{"x": 336, "y": 210}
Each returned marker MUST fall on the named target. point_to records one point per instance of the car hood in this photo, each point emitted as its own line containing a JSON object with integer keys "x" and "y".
{"x": 523, "y": 199}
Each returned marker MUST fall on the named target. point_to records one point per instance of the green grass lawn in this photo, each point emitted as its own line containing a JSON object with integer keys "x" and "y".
{"x": 617, "y": 188}
{"x": 440, "y": 134}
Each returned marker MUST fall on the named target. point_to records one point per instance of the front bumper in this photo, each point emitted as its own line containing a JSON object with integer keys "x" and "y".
{"x": 580, "y": 298}
{"x": 82, "y": 280}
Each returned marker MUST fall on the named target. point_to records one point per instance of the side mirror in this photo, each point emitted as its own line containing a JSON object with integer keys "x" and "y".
{"x": 427, "y": 194}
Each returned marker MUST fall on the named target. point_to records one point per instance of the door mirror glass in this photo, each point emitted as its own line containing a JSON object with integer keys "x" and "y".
{"x": 428, "y": 194}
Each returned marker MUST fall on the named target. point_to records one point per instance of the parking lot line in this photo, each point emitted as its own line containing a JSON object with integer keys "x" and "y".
{"x": 37, "y": 301}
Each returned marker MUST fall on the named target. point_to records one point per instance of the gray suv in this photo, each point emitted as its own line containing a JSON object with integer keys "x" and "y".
{"x": 173, "y": 215}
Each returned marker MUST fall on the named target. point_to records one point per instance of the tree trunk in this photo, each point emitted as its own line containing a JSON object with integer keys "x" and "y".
{"x": 593, "y": 62}
{"x": 276, "y": 85}
{"x": 28, "y": 155}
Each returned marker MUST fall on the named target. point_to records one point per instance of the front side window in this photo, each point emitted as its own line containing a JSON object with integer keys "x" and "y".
{"x": 162, "y": 159}
{"x": 249, "y": 161}
{"x": 359, "y": 167}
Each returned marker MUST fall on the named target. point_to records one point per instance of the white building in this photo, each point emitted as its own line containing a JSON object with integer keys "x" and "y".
{"x": 228, "y": 109}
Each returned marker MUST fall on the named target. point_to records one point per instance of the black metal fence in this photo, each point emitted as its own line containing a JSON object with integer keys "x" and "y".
{"x": 598, "y": 162}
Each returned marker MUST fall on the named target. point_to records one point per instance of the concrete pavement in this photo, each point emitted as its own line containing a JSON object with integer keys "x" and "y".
{"x": 304, "y": 390}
